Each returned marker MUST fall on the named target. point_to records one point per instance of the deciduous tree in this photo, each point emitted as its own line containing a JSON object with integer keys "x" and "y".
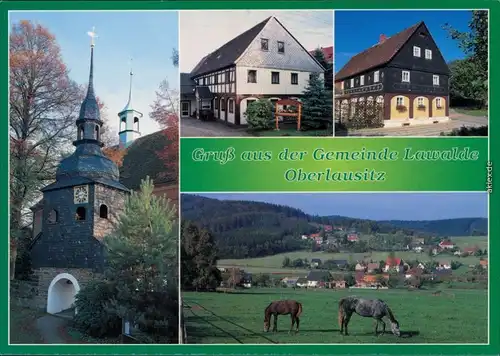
{"x": 165, "y": 113}
{"x": 44, "y": 104}
{"x": 198, "y": 258}
{"x": 469, "y": 77}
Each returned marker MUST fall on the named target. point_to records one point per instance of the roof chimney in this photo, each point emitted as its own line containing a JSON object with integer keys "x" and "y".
{"x": 382, "y": 38}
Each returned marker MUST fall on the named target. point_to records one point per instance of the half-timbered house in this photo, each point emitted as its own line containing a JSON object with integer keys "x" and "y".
{"x": 266, "y": 61}
{"x": 405, "y": 74}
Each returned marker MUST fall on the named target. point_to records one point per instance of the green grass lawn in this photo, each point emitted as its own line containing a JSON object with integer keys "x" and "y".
{"x": 22, "y": 325}
{"x": 471, "y": 241}
{"x": 456, "y": 316}
{"x": 472, "y": 112}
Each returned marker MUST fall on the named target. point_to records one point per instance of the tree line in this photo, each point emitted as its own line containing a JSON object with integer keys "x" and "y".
{"x": 245, "y": 229}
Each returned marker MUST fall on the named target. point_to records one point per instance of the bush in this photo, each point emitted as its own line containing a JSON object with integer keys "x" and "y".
{"x": 92, "y": 316}
{"x": 468, "y": 131}
{"x": 259, "y": 114}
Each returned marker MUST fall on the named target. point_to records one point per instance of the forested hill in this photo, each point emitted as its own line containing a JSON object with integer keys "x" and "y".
{"x": 253, "y": 229}
{"x": 449, "y": 227}
{"x": 248, "y": 229}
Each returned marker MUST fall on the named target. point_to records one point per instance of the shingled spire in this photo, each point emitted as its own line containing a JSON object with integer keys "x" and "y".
{"x": 90, "y": 109}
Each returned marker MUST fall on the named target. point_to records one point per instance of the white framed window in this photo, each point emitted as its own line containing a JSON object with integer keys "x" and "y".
{"x": 420, "y": 101}
{"x": 400, "y": 101}
{"x": 435, "y": 79}
{"x": 416, "y": 51}
{"x": 428, "y": 54}
{"x": 362, "y": 80}
{"x": 352, "y": 82}
{"x": 376, "y": 76}
{"x": 405, "y": 76}
{"x": 439, "y": 103}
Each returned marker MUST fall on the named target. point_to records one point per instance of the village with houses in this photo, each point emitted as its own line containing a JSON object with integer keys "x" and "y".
{"x": 432, "y": 260}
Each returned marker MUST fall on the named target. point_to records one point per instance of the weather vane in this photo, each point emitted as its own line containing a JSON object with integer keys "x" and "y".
{"x": 130, "y": 63}
{"x": 92, "y": 35}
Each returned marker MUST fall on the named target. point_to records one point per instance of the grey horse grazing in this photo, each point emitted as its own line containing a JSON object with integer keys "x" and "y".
{"x": 374, "y": 308}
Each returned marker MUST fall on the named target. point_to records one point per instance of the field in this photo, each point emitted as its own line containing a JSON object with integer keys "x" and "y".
{"x": 272, "y": 264}
{"x": 455, "y": 316}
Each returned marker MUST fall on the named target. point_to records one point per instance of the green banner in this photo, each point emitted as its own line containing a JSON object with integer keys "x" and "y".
{"x": 334, "y": 164}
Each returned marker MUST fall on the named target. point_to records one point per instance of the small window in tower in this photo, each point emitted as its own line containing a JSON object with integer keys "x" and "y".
{"x": 136, "y": 124}
{"x": 80, "y": 213}
{"x": 97, "y": 133}
{"x": 81, "y": 132}
{"x": 122, "y": 124}
{"x": 53, "y": 217}
{"x": 103, "y": 211}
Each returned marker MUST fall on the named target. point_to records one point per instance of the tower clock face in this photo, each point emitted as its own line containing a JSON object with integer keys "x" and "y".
{"x": 81, "y": 194}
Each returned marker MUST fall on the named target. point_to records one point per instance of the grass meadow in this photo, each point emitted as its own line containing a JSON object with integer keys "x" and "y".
{"x": 455, "y": 316}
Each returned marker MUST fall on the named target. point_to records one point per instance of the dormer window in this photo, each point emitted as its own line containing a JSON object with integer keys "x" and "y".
{"x": 352, "y": 82}
{"x": 376, "y": 76}
{"x": 416, "y": 51}
{"x": 281, "y": 47}
{"x": 428, "y": 54}
{"x": 435, "y": 80}
{"x": 362, "y": 80}
{"x": 264, "y": 44}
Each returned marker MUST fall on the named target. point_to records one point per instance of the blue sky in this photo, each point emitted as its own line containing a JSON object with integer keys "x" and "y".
{"x": 377, "y": 206}
{"x": 352, "y": 37}
{"x": 147, "y": 37}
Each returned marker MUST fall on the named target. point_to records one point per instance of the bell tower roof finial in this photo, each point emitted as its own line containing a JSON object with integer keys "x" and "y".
{"x": 129, "y": 102}
{"x": 90, "y": 109}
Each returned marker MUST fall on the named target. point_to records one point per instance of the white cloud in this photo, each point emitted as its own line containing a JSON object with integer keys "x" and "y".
{"x": 202, "y": 32}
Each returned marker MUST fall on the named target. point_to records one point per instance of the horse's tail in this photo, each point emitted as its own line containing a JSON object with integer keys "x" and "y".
{"x": 341, "y": 312}
{"x": 391, "y": 315}
{"x": 299, "y": 311}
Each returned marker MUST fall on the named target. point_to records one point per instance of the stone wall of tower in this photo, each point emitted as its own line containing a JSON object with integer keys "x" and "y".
{"x": 114, "y": 200}
{"x": 68, "y": 243}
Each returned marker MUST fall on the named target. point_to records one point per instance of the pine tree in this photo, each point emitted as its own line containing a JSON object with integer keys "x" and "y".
{"x": 142, "y": 260}
{"x": 317, "y": 103}
{"x": 320, "y": 57}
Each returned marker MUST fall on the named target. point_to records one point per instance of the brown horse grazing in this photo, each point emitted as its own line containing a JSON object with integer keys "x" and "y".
{"x": 282, "y": 307}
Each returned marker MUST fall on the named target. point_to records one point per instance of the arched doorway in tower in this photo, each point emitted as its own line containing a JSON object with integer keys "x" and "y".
{"x": 62, "y": 292}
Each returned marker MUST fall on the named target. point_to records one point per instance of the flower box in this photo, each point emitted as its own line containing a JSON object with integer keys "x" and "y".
{"x": 401, "y": 108}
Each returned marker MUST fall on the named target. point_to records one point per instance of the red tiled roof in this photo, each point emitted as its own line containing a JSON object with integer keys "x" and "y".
{"x": 327, "y": 53}
{"x": 377, "y": 55}
{"x": 393, "y": 262}
{"x": 446, "y": 243}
